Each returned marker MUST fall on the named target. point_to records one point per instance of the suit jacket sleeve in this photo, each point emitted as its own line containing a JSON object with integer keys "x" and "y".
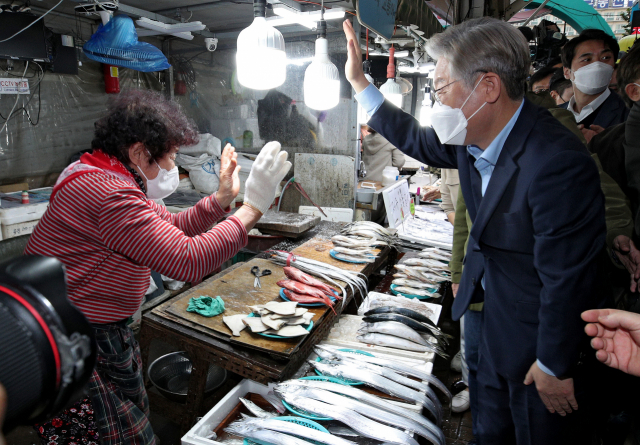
{"x": 405, "y": 132}
{"x": 632, "y": 160}
{"x": 567, "y": 210}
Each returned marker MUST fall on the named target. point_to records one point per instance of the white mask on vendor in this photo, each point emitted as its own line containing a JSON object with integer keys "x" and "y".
{"x": 450, "y": 124}
{"x": 593, "y": 78}
{"x": 162, "y": 185}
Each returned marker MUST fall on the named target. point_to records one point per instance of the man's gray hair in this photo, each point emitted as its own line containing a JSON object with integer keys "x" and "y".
{"x": 484, "y": 45}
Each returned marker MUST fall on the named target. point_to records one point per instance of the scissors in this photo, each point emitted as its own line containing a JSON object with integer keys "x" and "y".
{"x": 255, "y": 270}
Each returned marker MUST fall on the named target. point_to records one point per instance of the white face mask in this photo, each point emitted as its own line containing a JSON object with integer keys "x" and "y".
{"x": 450, "y": 124}
{"x": 162, "y": 185}
{"x": 593, "y": 78}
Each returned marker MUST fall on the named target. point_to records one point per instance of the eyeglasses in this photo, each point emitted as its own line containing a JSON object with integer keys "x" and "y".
{"x": 541, "y": 90}
{"x": 435, "y": 97}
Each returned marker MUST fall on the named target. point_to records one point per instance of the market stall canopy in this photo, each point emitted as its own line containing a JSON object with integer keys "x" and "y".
{"x": 524, "y": 15}
{"x": 577, "y": 13}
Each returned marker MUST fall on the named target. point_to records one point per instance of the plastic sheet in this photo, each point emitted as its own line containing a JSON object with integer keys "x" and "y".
{"x": 71, "y": 104}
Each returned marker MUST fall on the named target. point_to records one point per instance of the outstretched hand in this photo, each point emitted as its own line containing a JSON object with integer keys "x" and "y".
{"x": 616, "y": 338}
{"x": 353, "y": 68}
{"x": 229, "y": 178}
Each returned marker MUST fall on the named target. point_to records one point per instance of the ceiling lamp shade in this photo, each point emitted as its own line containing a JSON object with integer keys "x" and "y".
{"x": 261, "y": 60}
{"x": 392, "y": 90}
{"x": 321, "y": 79}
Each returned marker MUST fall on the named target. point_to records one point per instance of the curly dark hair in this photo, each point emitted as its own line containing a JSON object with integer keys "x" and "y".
{"x": 143, "y": 116}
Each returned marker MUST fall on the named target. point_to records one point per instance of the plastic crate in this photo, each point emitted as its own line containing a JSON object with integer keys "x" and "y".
{"x": 197, "y": 435}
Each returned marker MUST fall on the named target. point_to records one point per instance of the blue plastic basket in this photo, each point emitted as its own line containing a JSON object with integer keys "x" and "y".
{"x": 284, "y": 297}
{"x": 345, "y": 381}
{"x": 300, "y": 421}
{"x": 308, "y": 328}
{"x": 419, "y": 297}
{"x": 333, "y": 255}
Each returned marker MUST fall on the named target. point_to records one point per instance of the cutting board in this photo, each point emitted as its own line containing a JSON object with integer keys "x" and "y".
{"x": 287, "y": 223}
{"x": 238, "y": 293}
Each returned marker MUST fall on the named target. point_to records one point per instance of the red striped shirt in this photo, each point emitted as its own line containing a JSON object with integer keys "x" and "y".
{"x": 109, "y": 235}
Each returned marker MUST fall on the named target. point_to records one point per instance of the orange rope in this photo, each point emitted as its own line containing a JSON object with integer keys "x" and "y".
{"x": 367, "y": 43}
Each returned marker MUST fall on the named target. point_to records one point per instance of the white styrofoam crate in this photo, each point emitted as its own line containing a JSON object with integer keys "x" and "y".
{"x": 205, "y": 426}
{"x": 18, "y": 229}
{"x": 334, "y": 214}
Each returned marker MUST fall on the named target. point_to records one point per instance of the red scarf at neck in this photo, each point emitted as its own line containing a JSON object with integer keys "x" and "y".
{"x": 103, "y": 161}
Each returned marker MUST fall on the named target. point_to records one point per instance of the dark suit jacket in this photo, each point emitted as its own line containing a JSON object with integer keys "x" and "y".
{"x": 535, "y": 237}
{"x": 611, "y": 112}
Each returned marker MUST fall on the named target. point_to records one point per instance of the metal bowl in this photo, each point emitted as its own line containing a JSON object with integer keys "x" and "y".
{"x": 170, "y": 374}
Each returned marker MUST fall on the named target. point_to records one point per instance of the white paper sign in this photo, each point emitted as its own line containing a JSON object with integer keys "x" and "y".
{"x": 13, "y": 86}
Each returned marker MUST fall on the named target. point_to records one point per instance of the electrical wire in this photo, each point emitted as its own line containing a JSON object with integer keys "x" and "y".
{"x": 15, "y": 103}
{"x": 184, "y": 67}
{"x": 32, "y": 23}
{"x": 24, "y": 107}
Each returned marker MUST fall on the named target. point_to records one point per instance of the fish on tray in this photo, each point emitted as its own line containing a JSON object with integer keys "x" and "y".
{"x": 247, "y": 427}
{"x": 297, "y": 275}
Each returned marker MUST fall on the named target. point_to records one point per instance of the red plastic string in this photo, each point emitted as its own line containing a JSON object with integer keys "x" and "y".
{"x": 367, "y": 43}
{"x": 289, "y": 259}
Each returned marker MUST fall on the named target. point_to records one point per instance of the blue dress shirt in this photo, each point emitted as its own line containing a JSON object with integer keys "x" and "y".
{"x": 371, "y": 99}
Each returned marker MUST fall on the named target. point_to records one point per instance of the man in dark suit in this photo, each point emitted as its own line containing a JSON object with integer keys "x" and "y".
{"x": 588, "y": 61}
{"x": 533, "y": 195}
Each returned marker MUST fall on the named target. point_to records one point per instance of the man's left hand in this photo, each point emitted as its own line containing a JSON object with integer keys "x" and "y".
{"x": 556, "y": 394}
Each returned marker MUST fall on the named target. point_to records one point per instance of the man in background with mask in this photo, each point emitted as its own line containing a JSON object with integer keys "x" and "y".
{"x": 534, "y": 199}
{"x": 588, "y": 61}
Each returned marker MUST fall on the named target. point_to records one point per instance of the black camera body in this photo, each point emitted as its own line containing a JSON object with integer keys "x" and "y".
{"x": 47, "y": 346}
{"x": 548, "y": 45}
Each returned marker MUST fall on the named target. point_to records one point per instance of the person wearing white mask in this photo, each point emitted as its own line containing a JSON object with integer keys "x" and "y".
{"x": 104, "y": 226}
{"x": 588, "y": 61}
{"x": 533, "y": 196}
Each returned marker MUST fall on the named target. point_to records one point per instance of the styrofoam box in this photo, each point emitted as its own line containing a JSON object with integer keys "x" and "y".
{"x": 21, "y": 219}
{"x": 334, "y": 214}
{"x": 13, "y": 230}
{"x": 197, "y": 435}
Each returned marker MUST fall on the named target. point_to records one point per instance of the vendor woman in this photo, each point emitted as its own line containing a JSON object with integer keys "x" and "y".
{"x": 103, "y": 224}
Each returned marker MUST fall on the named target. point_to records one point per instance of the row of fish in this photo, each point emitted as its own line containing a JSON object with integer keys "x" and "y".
{"x": 402, "y": 328}
{"x": 303, "y": 288}
{"x": 422, "y": 276}
{"x": 331, "y": 274}
{"x": 365, "y": 414}
{"x": 274, "y": 318}
{"x": 359, "y": 241}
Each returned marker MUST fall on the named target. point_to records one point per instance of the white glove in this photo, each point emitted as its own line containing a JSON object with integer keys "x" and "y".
{"x": 268, "y": 170}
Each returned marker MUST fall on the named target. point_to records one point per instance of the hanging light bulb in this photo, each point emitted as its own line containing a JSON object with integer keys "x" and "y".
{"x": 321, "y": 79}
{"x": 391, "y": 90}
{"x": 261, "y": 60}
